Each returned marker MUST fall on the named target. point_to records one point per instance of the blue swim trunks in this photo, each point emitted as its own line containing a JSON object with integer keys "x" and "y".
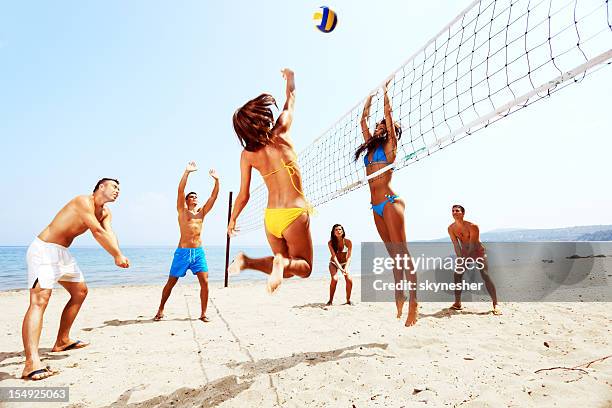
{"x": 188, "y": 258}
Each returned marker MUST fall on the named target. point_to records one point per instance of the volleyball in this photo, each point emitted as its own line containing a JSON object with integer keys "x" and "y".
{"x": 325, "y": 19}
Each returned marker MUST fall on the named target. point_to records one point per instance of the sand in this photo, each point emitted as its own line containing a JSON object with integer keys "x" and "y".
{"x": 289, "y": 350}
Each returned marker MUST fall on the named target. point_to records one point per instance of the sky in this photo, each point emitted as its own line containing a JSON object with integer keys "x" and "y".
{"x": 135, "y": 90}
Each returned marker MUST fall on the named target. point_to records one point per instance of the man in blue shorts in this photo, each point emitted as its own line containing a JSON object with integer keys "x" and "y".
{"x": 189, "y": 255}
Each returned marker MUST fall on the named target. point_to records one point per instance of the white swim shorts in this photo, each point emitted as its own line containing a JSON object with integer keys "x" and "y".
{"x": 49, "y": 263}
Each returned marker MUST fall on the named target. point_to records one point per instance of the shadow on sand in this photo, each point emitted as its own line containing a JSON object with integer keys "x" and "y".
{"x": 44, "y": 356}
{"x": 7, "y": 376}
{"x": 311, "y": 305}
{"x": 448, "y": 312}
{"x": 228, "y": 387}
{"x": 116, "y": 322}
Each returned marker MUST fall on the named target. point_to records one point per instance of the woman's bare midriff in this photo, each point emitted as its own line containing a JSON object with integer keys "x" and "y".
{"x": 380, "y": 186}
{"x": 282, "y": 194}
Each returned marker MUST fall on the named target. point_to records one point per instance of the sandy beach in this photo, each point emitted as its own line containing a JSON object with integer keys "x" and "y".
{"x": 290, "y": 350}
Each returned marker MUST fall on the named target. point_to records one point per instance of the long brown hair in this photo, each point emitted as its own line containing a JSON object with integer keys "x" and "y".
{"x": 373, "y": 142}
{"x": 254, "y": 121}
{"x": 333, "y": 238}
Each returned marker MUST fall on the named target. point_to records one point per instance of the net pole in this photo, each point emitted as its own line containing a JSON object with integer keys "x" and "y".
{"x": 227, "y": 239}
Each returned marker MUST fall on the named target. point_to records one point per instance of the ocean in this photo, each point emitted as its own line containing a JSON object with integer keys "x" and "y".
{"x": 148, "y": 265}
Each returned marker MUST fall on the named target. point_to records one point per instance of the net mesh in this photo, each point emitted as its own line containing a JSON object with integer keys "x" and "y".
{"x": 493, "y": 59}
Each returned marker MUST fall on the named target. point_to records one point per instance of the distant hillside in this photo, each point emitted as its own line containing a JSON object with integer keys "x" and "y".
{"x": 581, "y": 233}
{"x": 596, "y": 236}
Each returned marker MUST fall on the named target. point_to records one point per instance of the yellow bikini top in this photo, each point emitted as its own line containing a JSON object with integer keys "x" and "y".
{"x": 291, "y": 169}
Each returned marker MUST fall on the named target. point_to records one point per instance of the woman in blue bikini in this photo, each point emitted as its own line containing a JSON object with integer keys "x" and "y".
{"x": 380, "y": 149}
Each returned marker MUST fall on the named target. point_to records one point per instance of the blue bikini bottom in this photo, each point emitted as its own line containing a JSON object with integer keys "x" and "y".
{"x": 378, "y": 208}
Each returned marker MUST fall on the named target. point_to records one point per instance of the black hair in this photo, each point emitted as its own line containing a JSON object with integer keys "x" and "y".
{"x": 373, "y": 142}
{"x": 459, "y": 207}
{"x": 102, "y": 181}
{"x": 333, "y": 238}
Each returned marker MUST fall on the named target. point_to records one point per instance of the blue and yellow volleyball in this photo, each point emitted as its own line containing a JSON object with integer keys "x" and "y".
{"x": 326, "y": 19}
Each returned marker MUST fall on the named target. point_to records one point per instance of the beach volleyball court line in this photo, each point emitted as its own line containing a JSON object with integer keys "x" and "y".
{"x": 195, "y": 339}
{"x": 243, "y": 348}
{"x": 495, "y": 58}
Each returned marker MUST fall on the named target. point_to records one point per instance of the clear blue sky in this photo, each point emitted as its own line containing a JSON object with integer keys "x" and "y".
{"x": 136, "y": 89}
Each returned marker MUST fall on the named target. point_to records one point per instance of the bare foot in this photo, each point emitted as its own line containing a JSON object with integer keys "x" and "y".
{"x": 348, "y": 302}
{"x": 456, "y": 306}
{"x": 276, "y": 276}
{"x": 159, "y": 315}
{"x": 328, "y": 303}
{"x": 69, "y": 345}
{"x": 237, "y": 264}
{"x": 496, "y": 311}
{"x": 38, "y": 373}
{"x": 413, "y": 313}
{"x": 399, "y": 303}
{"x": 204, "y": 319}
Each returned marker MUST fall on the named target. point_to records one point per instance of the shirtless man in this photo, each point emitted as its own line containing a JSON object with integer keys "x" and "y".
{"x": 49, "y": 261}
{"x": 190, "y": 254}
{"x": 466, "y": 241}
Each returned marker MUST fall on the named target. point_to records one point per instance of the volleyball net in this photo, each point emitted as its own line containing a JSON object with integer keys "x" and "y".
{"x": 494, "y": 58}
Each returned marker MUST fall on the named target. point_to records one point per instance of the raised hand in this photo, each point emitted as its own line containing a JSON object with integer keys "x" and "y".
{"x": 287, "y": 73}
{"x": 366, "y": 107}
{"x": 191, "y": 166}
{"x": 213, "y": 174}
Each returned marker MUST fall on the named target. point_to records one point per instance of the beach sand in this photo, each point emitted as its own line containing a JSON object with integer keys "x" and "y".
{"x": 289, "y": 350}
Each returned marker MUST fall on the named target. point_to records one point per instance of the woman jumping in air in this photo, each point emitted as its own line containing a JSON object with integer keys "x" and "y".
{"x": 269, "y": 150}
{"x": 380, "y": 149}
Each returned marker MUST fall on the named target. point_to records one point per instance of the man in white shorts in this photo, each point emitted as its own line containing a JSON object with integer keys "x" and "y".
{"x": 49, "y": 262}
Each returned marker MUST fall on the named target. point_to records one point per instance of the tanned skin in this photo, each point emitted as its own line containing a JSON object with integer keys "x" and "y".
{"x": 466, "y": 241}
{"x": 191, "y": 221}
{"x": 82, "y": 213}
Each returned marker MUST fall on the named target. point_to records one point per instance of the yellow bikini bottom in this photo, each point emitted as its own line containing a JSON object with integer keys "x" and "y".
{"x": 278, "y": 219}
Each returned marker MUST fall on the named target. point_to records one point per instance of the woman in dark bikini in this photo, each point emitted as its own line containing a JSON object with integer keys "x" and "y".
{"x": 388, "y": 208}
{"x": 340, "y": 249}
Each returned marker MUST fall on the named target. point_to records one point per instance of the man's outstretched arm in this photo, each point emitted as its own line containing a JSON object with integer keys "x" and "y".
{"x": 180, "y": 198}
{"x": 106, "y": 238}
{"x": 474, "y": 238}
{"x": 213, "y": 196}
{"x": 455, "y": 241}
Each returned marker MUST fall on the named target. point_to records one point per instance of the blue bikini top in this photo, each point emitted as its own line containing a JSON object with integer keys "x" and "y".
{"x": 379, "y": 156}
